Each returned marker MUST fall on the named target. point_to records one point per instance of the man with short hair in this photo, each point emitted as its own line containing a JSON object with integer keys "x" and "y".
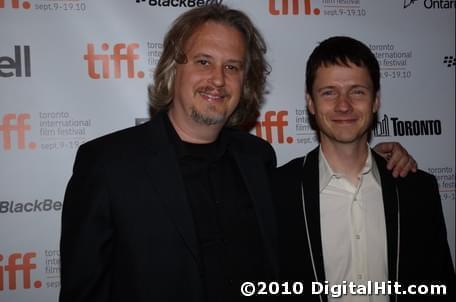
{"x": 179, "y": 208}
{"x": 342, "y": 217}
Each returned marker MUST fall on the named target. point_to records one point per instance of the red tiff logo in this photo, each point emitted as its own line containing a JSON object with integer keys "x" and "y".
{"x": 273, "y": 120}
{"x": 15, "y": 124}
{"x": 120, "y": 53}
{"x": 15, "y": 4}
{"x": 293, "y": 7}
{"x": 16, "y": 263}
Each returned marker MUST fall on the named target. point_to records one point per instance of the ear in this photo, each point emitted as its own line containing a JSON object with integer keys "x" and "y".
{"x": 376, "y": 103}
{"x": 310, "y": 104}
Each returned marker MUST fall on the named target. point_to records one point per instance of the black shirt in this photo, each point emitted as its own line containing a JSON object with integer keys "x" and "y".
{"x": 231, "y": 246}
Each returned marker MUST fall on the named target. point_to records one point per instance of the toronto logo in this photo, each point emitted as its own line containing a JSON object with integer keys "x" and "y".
{"x": 393, "y": 126}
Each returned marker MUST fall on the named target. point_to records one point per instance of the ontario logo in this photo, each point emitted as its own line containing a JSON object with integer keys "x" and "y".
{"x": 15, "y": 265}
{"x": 15, "y": 4}
{"x": 292, "y": 7}
{"x": 13, "y": 129}
{"x": 272, "y": 127}
{"x": 111, "y": 62}
{"x": 393, "y": 126}
{"x": 433, "y": 4}
{"x": 407, "y": 3}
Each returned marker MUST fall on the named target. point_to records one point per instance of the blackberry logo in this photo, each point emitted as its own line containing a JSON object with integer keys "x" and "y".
{"x": 180, "y": 3}
{"x": 20, "y": 64}
{"x": 395, "y": 127}
{"x": 449, "y": 60}
{"x": 12, "y": 207}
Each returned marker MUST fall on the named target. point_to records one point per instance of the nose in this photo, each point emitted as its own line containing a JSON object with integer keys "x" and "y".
{"x": 343, "y": 103}
{"x": 217, "y": 77}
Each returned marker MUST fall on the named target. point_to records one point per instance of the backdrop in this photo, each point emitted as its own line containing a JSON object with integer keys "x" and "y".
{"x": 73, "y": 70}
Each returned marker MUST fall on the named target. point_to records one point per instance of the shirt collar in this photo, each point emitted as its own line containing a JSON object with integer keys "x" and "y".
{"x": 212, "y": 151}
{"x": 326, "y": 173}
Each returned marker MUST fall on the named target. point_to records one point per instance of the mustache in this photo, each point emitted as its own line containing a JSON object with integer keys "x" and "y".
{"x": 211, "y": 89}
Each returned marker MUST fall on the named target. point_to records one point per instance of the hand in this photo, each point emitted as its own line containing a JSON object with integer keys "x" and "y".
{"x": 399, "y": 160}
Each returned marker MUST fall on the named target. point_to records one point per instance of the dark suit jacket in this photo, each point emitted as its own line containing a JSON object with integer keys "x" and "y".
{"x": 418, "y": 251}
{"x": 127, "y": 227}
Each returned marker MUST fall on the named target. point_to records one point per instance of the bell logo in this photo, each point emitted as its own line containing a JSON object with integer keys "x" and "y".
{"x": 118, "y": 56}
{"x": 15, "y": 4}
{"x": 12, "y": 123}
{"x": 293, "y": 7}
{"x": 18, "y": 262}
{"x": 8, "y": 63}
{"x": 273, "y": 120}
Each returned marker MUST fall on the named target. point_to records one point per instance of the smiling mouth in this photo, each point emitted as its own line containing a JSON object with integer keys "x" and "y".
{"x": 344, "y": 121}
{"x": 212, "y": 98}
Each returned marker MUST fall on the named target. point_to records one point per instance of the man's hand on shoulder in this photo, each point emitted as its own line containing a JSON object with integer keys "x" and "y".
{"x": 399, "y": 160}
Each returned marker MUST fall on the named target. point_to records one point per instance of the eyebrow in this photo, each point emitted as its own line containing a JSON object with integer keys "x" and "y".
{"x": 351, "y": 87}
{"x": 206, "y": 56}
{"x": 360, "y": 86}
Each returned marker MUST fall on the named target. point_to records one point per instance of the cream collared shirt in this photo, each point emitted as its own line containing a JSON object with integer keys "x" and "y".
{"x": 353, "y": 228}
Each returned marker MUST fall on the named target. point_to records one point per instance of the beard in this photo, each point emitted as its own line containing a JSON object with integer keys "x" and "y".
{"x": 207, "y": 118}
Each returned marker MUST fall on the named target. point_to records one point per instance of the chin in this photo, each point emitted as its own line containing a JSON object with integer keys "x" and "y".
{"x": 207, "y": 118}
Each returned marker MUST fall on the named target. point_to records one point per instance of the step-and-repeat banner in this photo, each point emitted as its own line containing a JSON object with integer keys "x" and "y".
{"x": 73, "y": 70}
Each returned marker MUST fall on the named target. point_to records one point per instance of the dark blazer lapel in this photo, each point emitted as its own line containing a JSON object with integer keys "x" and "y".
{"x": 311, "y": 184}
{"x": 391, "y": 207}
{"x": 166, "y": 180}
{"x": 255, "y": 175}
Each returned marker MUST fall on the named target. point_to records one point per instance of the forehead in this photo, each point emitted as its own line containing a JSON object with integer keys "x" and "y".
{"x": 351, "y": 74}
{"x": 213, "y": 36}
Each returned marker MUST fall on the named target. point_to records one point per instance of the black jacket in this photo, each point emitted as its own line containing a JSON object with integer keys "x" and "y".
{"x": 418, "y": 251}
{"x": 127, "y": 227}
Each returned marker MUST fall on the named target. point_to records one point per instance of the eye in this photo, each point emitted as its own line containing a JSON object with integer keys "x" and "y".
{"x": 358, "y": 92}
{"x": 202, "y": 62}
{"x": 327, "y": 92}
{"x": 232, "y": 68}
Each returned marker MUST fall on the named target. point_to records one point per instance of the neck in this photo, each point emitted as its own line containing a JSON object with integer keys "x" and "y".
{"x": 346, "y": 159}
{"x": 193, "y": 132}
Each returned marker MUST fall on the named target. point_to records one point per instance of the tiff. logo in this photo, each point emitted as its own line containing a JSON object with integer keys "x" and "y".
{"x": 293, "y": 7}
{"x": 15, "y": 4}
{"x": 273, "y": 120}
{"x": 94, "y": 60}
{"x": 18, "y": 263}
{"x": 12, "y": 123}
